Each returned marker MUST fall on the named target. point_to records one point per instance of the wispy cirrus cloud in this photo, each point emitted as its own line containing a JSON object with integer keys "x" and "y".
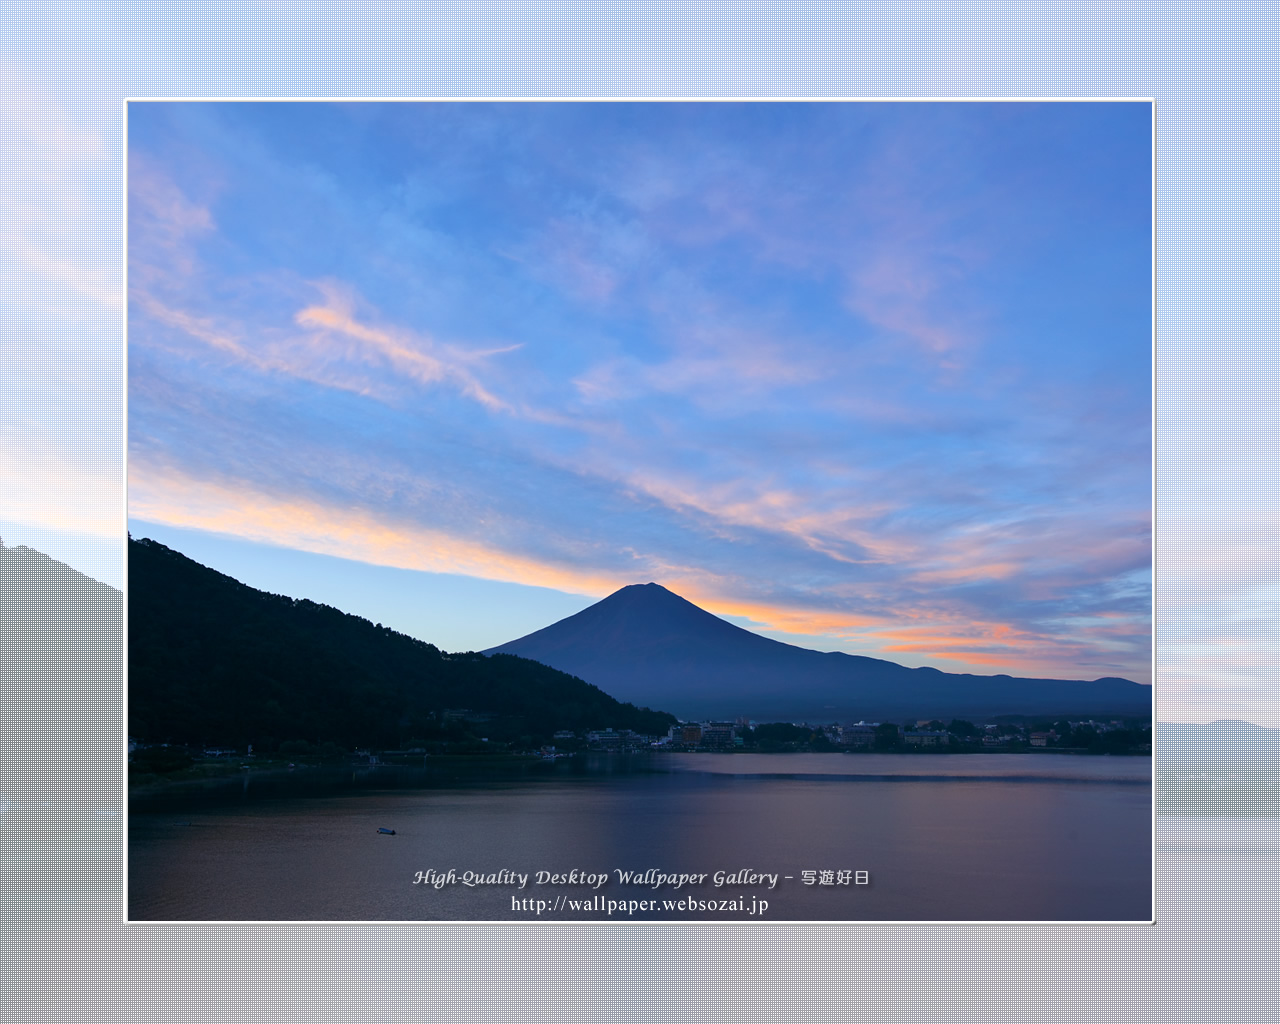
{"x": 170, "y": 496}
{"x": 409, "y": 354}
{"x": 166, "y": 228}
{"x": 363, "y": 531}
{"x": 336, "y": 349}
{"x": 728, "y": 375}
{"x": 957, "y": 637}
{"x": 832, "y": 532}
{"x": 241, "y": 508}
{"x": 60, "y": 299}
{"x": 160, "y": 211}
{"x": 59, "y": 228}
{"x": 903, "y": 291}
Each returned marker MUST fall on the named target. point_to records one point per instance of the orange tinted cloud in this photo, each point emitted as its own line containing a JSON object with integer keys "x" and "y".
{"x": 414, "y": 355}
{"x": 173, "y": 498}
{"x": 323, "y": 358}
{"x": 201, "y": 328}
{"x": 61, "y": 487}
{"x": 968, "y": 573}
{"x": 947, "y": 630}
{"x": 781, "y": 511}
{"x": 993, "y": 660}
{"x": 781, "y": 619}
{"x": 998, "y": 645}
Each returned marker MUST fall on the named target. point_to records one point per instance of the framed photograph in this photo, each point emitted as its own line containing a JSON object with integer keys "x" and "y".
{"x": 640, "y": 512}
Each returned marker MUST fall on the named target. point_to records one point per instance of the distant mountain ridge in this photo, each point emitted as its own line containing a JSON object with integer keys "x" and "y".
{"x": 56, "y": 624}
{"x": 652, "y": 647}
{"x": 61, "y": 675}
{"x": 1184, "y": 744}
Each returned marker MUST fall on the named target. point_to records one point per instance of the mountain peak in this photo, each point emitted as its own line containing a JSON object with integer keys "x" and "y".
{"x": 648, "y": 645}
{"x": 647, "y": 599}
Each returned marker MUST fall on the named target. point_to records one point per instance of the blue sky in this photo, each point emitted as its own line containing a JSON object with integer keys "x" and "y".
{"x": 871, "y": 377}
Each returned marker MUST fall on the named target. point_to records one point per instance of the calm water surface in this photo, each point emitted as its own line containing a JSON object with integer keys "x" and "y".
{"x": 942, "y": 837}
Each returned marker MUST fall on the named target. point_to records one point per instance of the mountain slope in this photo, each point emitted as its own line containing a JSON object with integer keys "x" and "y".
{"x": 214, "y": 661}
{"x": 1223, "y": 742}
{"x": 61, "y": 674}
{"x": 56, "y": 623}
{"x": 652, "y": 647}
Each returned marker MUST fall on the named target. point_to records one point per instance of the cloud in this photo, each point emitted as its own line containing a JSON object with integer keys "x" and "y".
{"x": 1046, "y": 554}
{"x": 172, "y": 497}
{"x": 60, "y": 452}
{"x": 202, "y": 328}
{"x": 583, "y": 256}
{"x": 49, "y": 277}
{"x": 901, "y": 305}
{"x": 796, "y": 620}
{"x": 736, "y": 376}
{"x": 54, "y": 484}
{"x": 339, "y": 351}
{"x": 158, "y": 207}
{"x": 956, "y": 637}
{"x": 967, "y": 573}
{"x": 728, "y": 378}
{"x": 742, "y": 503}
{"x": 60, "y": 224}
{"x": 411, "y": 354}
{"x": 165, "y": 228}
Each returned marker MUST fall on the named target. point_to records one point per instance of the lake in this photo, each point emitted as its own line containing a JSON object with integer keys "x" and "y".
{"x": 982, "y": 837}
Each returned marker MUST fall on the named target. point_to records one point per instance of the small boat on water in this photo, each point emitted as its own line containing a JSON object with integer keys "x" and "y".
{"x": 387, "y": 831}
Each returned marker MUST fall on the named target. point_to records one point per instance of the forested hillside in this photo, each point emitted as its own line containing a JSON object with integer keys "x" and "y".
{"x": 215, "y": 662}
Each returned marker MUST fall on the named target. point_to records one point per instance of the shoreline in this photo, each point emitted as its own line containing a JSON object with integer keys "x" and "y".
{"x": 216, "y": 782}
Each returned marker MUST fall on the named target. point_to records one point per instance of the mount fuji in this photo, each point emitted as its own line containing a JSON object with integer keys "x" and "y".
{"x": 651, "y": 647}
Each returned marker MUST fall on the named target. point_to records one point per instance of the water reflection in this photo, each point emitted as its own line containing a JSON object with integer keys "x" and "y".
{"x": 951, "y": 839}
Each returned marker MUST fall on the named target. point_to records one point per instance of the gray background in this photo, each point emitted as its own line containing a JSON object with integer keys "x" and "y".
{"x": 64, "y": 71}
